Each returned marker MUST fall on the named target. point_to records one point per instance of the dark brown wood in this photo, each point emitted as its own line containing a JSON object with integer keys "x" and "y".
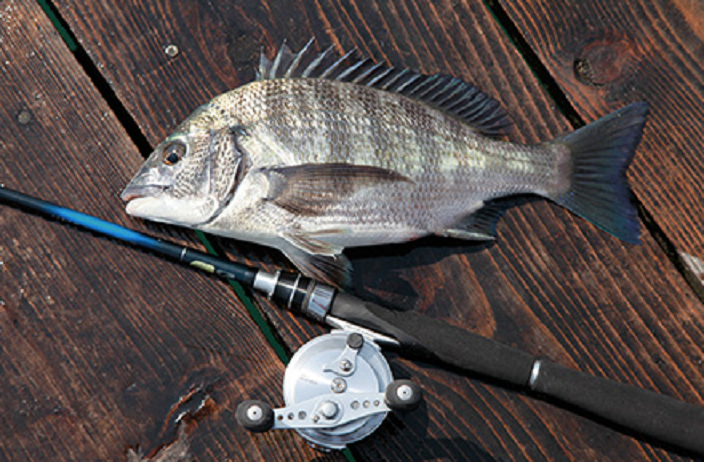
{"x": 604, "y": 55}
{"x": 552, "y": 284}
{"x": 106, "y": 353}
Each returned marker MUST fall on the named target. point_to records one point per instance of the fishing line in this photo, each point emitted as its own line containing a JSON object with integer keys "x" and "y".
{"x": 246, "y": 300}
{"x": 336, "y": 415}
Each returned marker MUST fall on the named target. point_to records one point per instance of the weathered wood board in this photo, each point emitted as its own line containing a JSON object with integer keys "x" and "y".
{"x": 604, "y": 55}
{"x": 106, "y": 353}
{"x": 552, "y": 284}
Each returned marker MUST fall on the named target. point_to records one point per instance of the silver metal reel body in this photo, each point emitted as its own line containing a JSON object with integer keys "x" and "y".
{"x": 343, "y": 386}
{"x": 338, "y": 389}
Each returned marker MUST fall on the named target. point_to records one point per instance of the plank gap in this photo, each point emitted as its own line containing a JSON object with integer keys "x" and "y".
{"x": 535, "y": 64}
{"x": 257, "y": 314}
{"x": 670, "y": 249}
{"x": 70, "y": 41}
{"x": 96, "y": 77}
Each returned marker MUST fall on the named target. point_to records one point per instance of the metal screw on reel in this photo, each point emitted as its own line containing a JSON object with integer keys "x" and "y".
{"x": 338, "y": 389}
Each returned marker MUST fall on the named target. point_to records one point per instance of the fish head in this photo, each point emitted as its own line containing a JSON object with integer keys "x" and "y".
{"x": 192, "y": 175}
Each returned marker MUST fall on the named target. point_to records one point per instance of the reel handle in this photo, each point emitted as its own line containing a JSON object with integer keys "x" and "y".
{"x": 403, "y": 395}
{"x": 255, "y": 416}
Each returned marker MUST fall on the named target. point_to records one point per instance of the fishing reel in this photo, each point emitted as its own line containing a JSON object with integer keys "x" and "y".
{"x": 338, "y": 389}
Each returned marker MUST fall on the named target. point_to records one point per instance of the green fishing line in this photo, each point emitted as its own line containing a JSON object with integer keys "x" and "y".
{"x": 54, "y": 18}
{"x": 254, "y": 312}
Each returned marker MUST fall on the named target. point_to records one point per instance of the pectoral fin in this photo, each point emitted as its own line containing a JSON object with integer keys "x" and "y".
{"x": 311, "y": 189}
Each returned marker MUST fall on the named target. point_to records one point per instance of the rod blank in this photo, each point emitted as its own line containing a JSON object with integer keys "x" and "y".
{"x": 196, "y": 258}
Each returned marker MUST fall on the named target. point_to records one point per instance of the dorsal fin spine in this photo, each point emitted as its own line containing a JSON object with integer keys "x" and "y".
{"x": 336, "y": 64}
{"x": 453, "y": 89}
{"x": 277, "y": 62}
{"x": 389, "y": 86}
{"x": 311, "y": 67}
{"x": 444, "y": 100}
{"x": 432, "y": 88}
{"x": 299, "y": 56}
{"x": 360, "y": 78}
{"x": 350, "y": 70}
{"x": 373, "y": 82}
{"x": 462, "y": 103}
{"x": 408, "y": 84}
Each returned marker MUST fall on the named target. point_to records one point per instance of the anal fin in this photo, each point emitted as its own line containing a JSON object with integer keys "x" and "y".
{"x": 481, "y": 225}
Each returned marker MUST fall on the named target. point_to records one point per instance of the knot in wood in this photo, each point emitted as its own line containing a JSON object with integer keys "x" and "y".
{"x": 605, "y": 60}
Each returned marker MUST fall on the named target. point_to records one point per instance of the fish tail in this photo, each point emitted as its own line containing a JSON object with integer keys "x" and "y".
{"x": 600, "y": 154}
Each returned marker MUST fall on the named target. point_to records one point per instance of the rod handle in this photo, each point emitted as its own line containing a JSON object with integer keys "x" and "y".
{"x": 644, "y": 412}
{"x": 650, "y": 414}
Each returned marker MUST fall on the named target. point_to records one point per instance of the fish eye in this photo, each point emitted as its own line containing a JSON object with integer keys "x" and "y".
{"x": 173, "y": 152}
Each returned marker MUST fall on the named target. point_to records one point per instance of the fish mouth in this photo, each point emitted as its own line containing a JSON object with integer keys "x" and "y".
{"x": 137, "y": 192}
{"x": 143, "y": 201}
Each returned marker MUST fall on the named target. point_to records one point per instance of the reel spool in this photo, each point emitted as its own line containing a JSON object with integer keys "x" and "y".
{"x": 338, "y": 389}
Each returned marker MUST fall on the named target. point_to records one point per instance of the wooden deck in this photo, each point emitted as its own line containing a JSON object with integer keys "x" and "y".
{"x": 107, "y": 353}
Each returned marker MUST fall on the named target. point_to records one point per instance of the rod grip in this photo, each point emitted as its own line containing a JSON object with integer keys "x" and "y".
{"x": 644, "y": 412}
{"x": 648, "y": 413}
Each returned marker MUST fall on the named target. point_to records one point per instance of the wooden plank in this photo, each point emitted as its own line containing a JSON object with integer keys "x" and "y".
{"x": 604, "y": 55}
{"x": 107, "y": 353}
{"x": 552, "y": 284}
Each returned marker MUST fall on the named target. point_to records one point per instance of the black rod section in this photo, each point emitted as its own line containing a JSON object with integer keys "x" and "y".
{"x": 643, "y": 411}
{"x": 649, "y": 414}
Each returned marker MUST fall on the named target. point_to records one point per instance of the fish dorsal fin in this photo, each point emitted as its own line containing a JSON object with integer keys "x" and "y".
{"x": 449, "y": 94}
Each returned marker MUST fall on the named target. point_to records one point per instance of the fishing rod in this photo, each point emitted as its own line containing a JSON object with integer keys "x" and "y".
{"x": 414, "y": 335}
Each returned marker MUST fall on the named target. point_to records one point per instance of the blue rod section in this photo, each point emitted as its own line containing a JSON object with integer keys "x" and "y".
{"x": 99, "y": 226}
{"x": 201, "y": 260}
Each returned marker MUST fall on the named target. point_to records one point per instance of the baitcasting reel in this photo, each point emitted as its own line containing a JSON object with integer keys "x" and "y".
{"x": 338, "y": 389}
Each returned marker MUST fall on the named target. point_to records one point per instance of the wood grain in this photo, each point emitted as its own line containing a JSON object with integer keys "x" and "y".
{"x": 605, "y": 55}
{"x": 552, "y": 284}
{"x": 106, "y": 353}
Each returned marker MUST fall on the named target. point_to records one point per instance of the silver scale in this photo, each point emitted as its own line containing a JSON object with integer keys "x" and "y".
{"x": 338, "y": 388}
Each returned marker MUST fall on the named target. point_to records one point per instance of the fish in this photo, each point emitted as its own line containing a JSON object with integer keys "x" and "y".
{"x": 324, "y": 152}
